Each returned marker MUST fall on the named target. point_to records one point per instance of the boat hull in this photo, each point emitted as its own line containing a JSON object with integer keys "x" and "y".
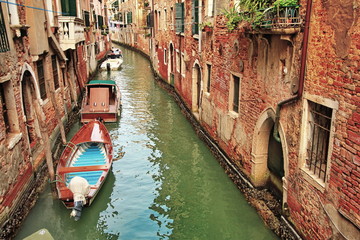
{"x": 87, "y": 155}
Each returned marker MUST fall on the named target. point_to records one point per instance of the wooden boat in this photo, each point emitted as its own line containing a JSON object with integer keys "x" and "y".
{"x": 87, "y": 157}
{"x": 113, "y": 61}
{"x": 102, "y": 99}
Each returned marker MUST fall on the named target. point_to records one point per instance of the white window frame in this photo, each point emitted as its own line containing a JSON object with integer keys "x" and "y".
{"x": 307, "y": 174}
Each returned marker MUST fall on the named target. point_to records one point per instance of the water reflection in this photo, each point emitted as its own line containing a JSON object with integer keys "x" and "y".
{"x": 165, "y": 184}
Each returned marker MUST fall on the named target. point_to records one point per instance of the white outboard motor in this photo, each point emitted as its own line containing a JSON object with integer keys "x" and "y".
{"x": 80, "y": 188}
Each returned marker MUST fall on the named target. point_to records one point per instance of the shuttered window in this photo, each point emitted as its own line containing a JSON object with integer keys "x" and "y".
{"x": 41, "y": 78}
{"x": 68, "y": 7}
{"x": 129, "y": 17}
{"x": 150, "y": 20}
{"x": 55, "y": 71}
{"x": 179, "y": 17}
{"x": 4, "y": 42}
{"x": 87, "y": 18}
{"x": 195, "y": 17}
{"x": 101, "y": 21}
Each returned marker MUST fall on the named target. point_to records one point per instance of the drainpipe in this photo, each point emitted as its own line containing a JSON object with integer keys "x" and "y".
{"x": 302, "y": 72}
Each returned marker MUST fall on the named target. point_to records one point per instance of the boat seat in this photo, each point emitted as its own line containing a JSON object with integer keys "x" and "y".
{"x": 92, "y": 177}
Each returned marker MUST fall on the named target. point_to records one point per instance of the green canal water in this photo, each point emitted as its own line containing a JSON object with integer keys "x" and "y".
{"x": 164, "y": 184}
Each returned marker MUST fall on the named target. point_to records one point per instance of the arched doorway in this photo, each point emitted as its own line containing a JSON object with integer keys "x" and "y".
{"x": 269, "y": 157}
{"x": 196, "y": 89}
{"x": 30, "y": 95}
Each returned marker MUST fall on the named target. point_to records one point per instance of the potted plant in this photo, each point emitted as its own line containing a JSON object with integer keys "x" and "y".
{"x": 206, "y": 26}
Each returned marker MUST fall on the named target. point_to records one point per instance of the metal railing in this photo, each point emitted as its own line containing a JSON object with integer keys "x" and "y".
{"x": 71, "y": 31}
{"x": 283, "y": 17}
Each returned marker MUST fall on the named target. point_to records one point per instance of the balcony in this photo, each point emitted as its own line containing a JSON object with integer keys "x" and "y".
{"x": 282, "y": 19}
{"x": 71, "y": 32}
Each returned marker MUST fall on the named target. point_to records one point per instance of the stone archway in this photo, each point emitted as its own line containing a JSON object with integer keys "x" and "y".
{"x": 30, "y": 95}
{"x": 196, "y": 87}
{"x": 260, "y": 173}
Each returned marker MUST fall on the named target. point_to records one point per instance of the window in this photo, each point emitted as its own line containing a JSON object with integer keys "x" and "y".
{"x": 319, "y": 125}
{"x": 41, "y": 78}
{"x": 235, "y": 94}
{"x": 55, "y": 72}
{"x": 195, "y": 16}
{"x": 177, "y": 61}
{"x": 165, "y": 56}
{"x": 3, "y": 108}
{"x": 95, "y": 20}
{"x": 86, "y": 18}
{"x": 101, "y": 21}
{"x": 4, "y": 42}
{"x": 68, "y": 7}
{"x": 182, "y": 65}
{"x": 210, "y": 8}
{"x": 208, "y": 83}
{"x": 129, "y": 17}
{"x": 179, "y": 17}
{"x": 8, "y": 108}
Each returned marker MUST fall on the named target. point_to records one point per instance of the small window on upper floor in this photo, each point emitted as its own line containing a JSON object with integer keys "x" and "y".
{"x": 165, "y": 56}
{"x": 195, "y": 17}
{"x": 208, "y": 77}
{"x": 179, "y": 17}
{"x": 41, "y": 79}
{"x": 55, "y": 71}
{"x": 4, "y": 42}
{"x": 8, "y": 109}
{"x": 235, "y": 94}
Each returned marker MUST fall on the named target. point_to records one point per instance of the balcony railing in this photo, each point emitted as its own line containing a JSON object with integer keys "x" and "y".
{"x": 284, "y": 17}
{"x": 71, "y": 30}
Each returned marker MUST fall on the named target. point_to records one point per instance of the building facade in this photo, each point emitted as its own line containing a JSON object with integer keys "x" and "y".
{"x": 277, "y": 92}
{"x": 48, "y": 49}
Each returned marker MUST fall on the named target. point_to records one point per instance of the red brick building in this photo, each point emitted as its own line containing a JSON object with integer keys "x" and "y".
{"x": 44, "y": 63}
{"x": 279, "y": 96}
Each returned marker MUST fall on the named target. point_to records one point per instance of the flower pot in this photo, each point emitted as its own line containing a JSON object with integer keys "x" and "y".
{"x": 207, "y": 29}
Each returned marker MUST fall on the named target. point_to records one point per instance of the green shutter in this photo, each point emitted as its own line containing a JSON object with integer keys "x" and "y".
{"x": 195, "y": 16}
{"x": 68, "y": 7}
{"x": 179, "y": 17}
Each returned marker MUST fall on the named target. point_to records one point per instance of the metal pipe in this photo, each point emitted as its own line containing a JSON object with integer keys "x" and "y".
{"x": 302, "y": 72}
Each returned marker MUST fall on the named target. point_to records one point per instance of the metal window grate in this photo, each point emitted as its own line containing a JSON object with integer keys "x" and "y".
{"x": 4, "y": 42}
{"x": 320, "y": 123}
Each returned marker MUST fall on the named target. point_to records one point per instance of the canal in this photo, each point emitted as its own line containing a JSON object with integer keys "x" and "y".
{"x": 164, "y": 184}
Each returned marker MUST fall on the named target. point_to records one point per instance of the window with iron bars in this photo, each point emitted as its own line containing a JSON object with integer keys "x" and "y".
{"x": 4, "y": 42}
{"x": 319, "y": 137}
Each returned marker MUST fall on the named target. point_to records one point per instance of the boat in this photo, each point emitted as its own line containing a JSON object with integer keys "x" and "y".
{"x": 102, "y": 99}
{"x": 83, "y": 166}
{"x": 42, "y": 234}
{"x": 113, "y": 61}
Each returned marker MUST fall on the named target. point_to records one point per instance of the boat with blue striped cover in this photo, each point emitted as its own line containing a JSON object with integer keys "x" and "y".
{"x": 83, "y": 166}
